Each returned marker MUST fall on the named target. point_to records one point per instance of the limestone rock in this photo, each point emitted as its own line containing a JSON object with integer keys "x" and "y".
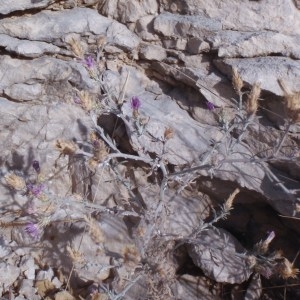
{"x": 227, "y": 265}
{"x": 28, "y": 48}
{"x": 128, "y": 11}
{"x": 145, "y": 30}
{"x": 27, "y": 289}
{"x": 7, "y": 6}
{"x": 8, "y": 275}
{"x": 22, "y": 80}
{"x": 152, "y": 52}
{"x": 256, "y": 44}
{"x": 193, "y": 288}
{"x": 59, "y": 23}
{"x": 173, "y": 25}
{"x": 248, "y": 16}
{"x": 28, "y": 267}
{"x": 196, "y": 46}
{"x": 266, "y": 70}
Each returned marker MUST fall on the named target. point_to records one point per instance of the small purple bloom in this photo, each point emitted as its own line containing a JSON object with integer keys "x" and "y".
{"x": 36, "y": 166}
{"x": 266, "y": 271}
{"x": 96, "y": 144}
{"x": 270, "y": 237}
{"x": 89, "y": 62}
{"x": 32, "y": 229}
{"x": 209, "y": 105}
{"x": 135, "y": 103}
{"x": 35, "y": 190}
{"x": 77, "y": 100}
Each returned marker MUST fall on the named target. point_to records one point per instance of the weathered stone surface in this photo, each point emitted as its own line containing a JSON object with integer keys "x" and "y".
{"x": 248, "y": 15}
{"x": 7, "y": 6}
{"x": 27, "y": 289}
{"x": 196, "y": 46}
{"x": 152, "y": 52}
{"x": 24, "y": 80}
{"x": 266, "y": 70}
{"x": 28, "y": 48}
{"x": 233, "y": 44}
{"x": 128, "y": 11}
{"x": 145, "y": 30}
{"x": 113, "y": 213}
{"x": 227, "y": 265}
{"x": 173, "y": 25}
{"x": 8, "y": 275}
{"x": 78, "y": 20}
{"x": 213, "y": 86}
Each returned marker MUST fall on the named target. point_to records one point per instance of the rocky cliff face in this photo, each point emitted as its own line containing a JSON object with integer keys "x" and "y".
{"x": 125, "y": 125}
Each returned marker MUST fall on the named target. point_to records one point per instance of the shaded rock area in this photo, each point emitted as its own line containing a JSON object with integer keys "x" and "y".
{"x": 150, "y": 149}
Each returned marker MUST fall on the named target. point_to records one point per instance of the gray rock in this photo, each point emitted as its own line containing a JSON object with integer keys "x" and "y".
{"x": 24, "y": 80}
{"x": 145, "y": 30}
{"x": 27, "y": 289}
{"x": 196, "y": 46}
{"x": 256, "y": 44}
{"x": 211, "y": 85}
{"x": 128, "y": 11}
{"x": 28, "y": 48}
{"x": 48, "y": 26}
{"x": 266, "y": 70}
{"x": 173, "y": 25}
{"x": 175, "y": 43}
{"x": 119, "y": 35}
{"x": 45, "y": 274}
{"x": 7, "y": 6}
{"x": 8, "y": 275}
{"x": 152, "y": 52}
{"x": 28, "y": 267}
{"x": 248, "y": 15}
{"x": 227, "y": 265}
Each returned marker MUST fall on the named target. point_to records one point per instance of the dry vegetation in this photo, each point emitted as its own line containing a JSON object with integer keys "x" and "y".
{"x": 150, "y": 265}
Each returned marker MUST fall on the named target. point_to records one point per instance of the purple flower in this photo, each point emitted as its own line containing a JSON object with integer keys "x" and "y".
{"x": 36, "y": 166}
{"x": 271, "y": 236}
{"x": 32, "y": 229}
{"x": 135, "y": 103}
{"x": 89, "y": 62}
{"x": 266, "y": 271}
{"x": 35, "y": 190}
{"x": 77, "y": 100}
{"x": 96, "y": 144}
{"x": 209, "y": 105}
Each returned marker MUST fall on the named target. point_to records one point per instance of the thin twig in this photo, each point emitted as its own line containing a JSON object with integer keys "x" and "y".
{"x": 283, "y": 138}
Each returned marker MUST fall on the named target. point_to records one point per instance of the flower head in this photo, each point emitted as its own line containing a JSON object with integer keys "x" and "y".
{"x": 209, "y": 105}
{"x": 35, "y": 190}
{"x": 89, "y": 62}
{"x": 32, "y": 229}
{"x": 135, "y": 103}
{"x": 36, "y": 166}
{"x": 77, "y": 100}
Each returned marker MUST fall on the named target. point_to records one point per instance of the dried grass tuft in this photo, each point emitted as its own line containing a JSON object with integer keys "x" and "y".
{"x": 16, "y": 182}
{"x": 169, "y": 133}
{"x": 237, "y": 81}
{"x": 94, "y": 230}
{"x": 75, "y": 255}
{"x": 76, "y": 47}
{"x": 66, "y": 147}
{"x": 229, "y": 201}
{"x": 292, "y": 103}
{"x": 286, "y": 269}
{"x": 86, "y": 100}
{"x": 252, "y": 100}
